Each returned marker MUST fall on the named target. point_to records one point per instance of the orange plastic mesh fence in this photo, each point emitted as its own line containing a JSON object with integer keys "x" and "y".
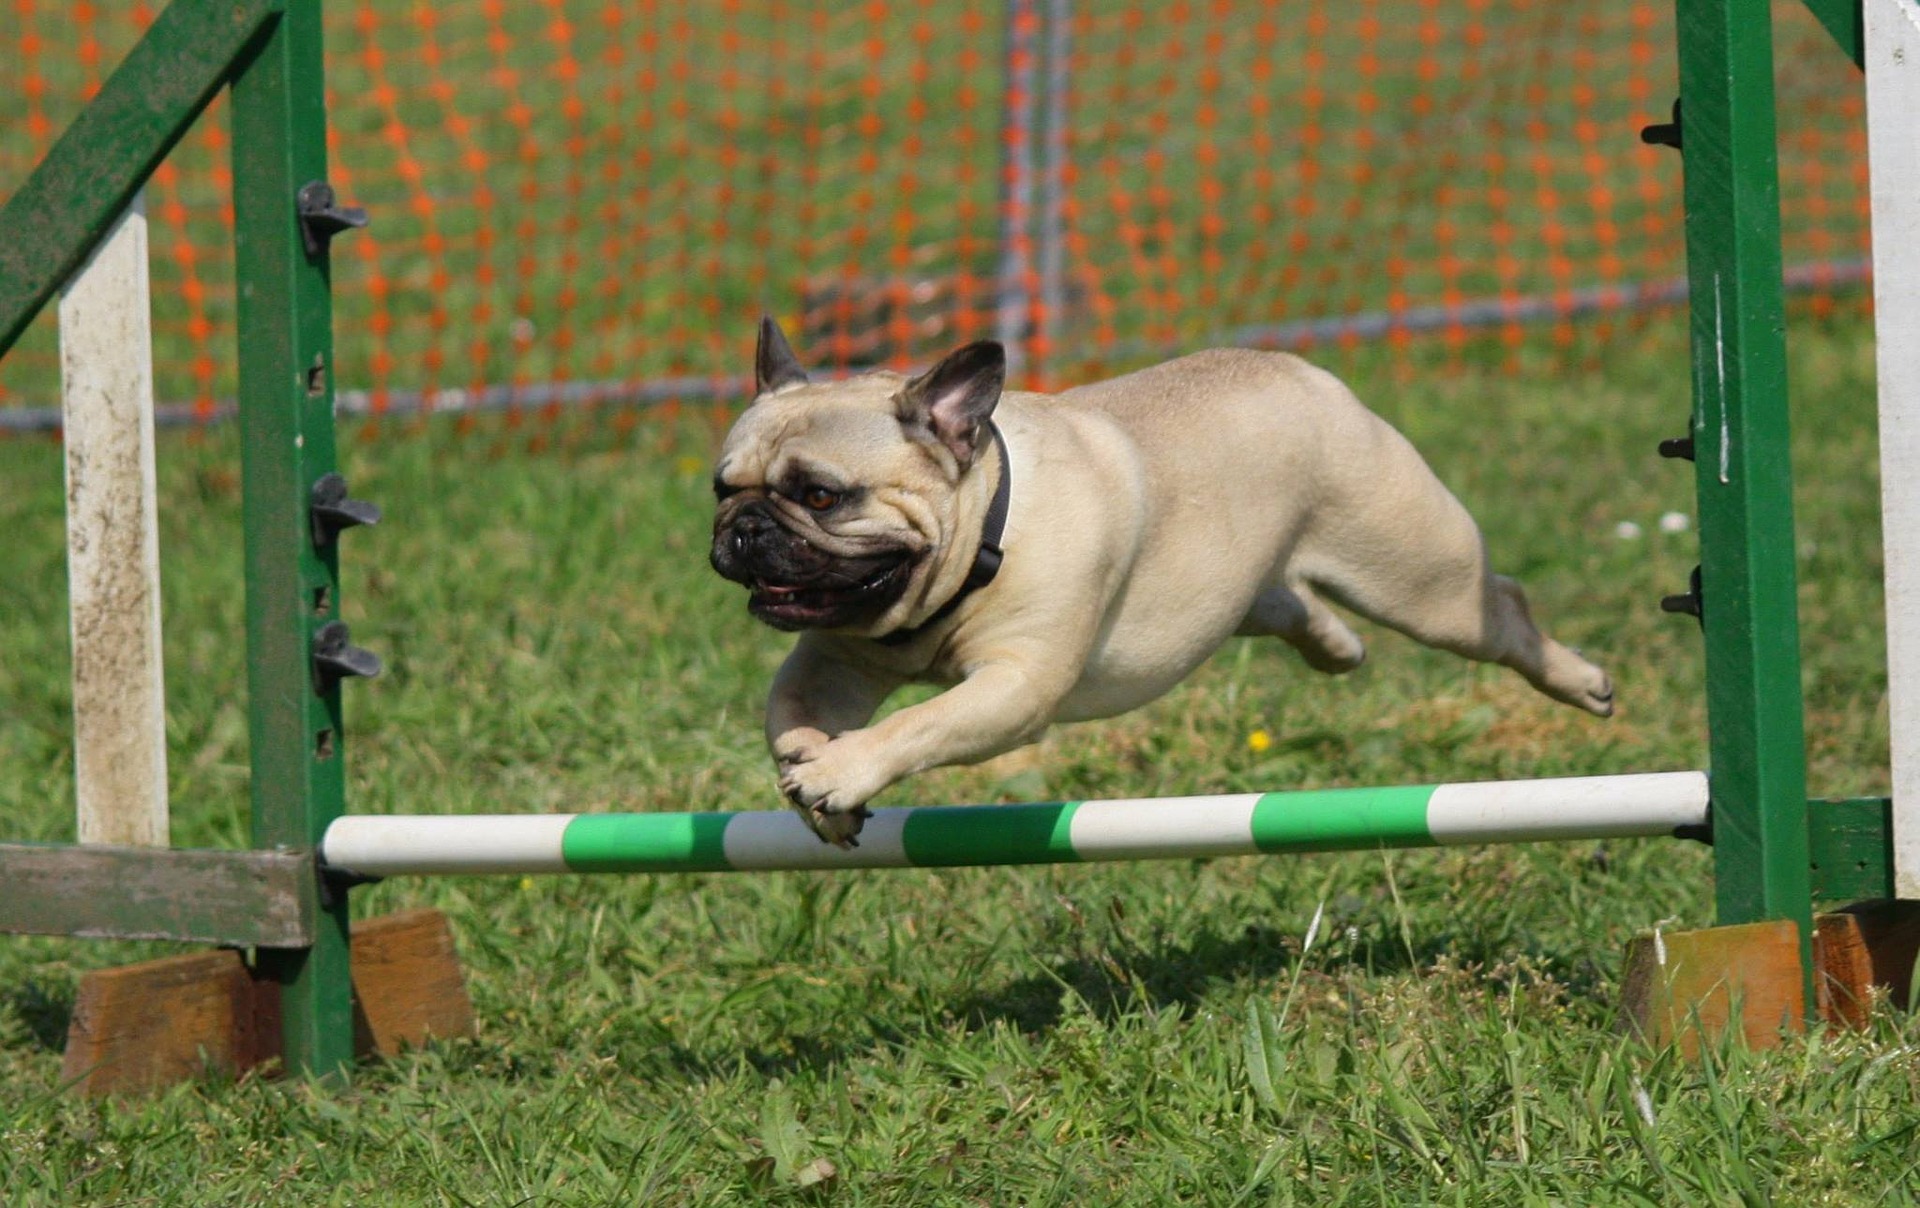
{"x": 581, "y": 200}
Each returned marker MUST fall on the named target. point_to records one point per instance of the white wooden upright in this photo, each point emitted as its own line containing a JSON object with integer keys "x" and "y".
{"x": 1892, "y": 32}
{"x": 113, "y": 543}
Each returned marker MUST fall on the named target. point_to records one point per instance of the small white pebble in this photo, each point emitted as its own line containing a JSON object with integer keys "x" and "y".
{"x": 1627, "y": 530}
{"x": 1675, "y": 522}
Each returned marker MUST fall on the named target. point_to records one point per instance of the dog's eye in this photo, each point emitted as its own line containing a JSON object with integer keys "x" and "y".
{"x": 819, "y": 498}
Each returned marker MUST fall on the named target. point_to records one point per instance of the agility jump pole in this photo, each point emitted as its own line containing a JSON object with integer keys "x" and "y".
{"x": 1242, "y": 824}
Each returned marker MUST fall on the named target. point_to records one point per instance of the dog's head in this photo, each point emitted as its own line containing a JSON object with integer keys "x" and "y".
{"x": 838, "y": 501}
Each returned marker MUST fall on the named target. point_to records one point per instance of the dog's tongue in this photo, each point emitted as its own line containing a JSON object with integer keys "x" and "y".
{"x": 774, "y": 589}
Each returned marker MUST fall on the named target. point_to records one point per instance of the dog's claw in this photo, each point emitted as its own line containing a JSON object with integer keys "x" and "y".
{"x": 838, "y": 828}
{"x": 825, "y": 829}
{"x": 819, "y": 794}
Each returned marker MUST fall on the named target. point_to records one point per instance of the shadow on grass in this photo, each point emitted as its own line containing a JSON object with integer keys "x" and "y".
{"x": 1118, "y": 982}
{"x": 802, "y": 1053}
{"x": 44, "y": 1007}
{"x": 1111, "y": 984}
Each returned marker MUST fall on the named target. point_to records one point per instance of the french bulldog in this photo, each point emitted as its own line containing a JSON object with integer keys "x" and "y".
{"x": 1057, "y": 558}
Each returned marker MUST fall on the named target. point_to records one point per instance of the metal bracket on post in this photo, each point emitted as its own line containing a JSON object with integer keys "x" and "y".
{"x": 332, "y": 512}
{"x": 334, "y": 883}
{"x": 1669, "y": 134}
{"x": 335, "y": 657}
{"x": 1665, "y": 134}
{"x": 322, "y": 217}
{"x": 1689, "y": 602}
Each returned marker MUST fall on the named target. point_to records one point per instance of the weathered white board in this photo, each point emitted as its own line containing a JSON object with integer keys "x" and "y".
{"x": 113, "y": 543}
{"x": 1893, "y": 151}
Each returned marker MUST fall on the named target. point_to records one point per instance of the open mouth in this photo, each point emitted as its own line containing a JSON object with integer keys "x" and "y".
{"x": 800, "y": 606}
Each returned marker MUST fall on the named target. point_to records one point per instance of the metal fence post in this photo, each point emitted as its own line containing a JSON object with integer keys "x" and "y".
{"x": 1743, "y": 469}
{"x": 1052, "y": 235}
{"x": 1013, "y": 295}
{"x": 286, "y": 420}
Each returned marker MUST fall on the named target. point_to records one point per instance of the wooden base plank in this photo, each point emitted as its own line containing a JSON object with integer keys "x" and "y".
{"x": 141, "y": 1027}
{"x": 242, "y": 899}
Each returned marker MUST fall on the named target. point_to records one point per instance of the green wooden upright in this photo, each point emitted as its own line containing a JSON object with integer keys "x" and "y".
{"x": 1742, "y": 468}
{"x": 286, "y": 419}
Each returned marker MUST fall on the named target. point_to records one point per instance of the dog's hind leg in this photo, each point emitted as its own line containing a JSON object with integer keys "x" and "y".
{"x": 1441, "y": 593}
{"x": 1304, "y": 621}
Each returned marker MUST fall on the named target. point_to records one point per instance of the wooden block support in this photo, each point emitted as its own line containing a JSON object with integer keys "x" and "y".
{"x": 145, "y": 1026}
{"x": 1686, "y": 987}
{"x": 1866, "y": 945}
{"x": 406, "y": 983}
{"x": 141, "y": 1027}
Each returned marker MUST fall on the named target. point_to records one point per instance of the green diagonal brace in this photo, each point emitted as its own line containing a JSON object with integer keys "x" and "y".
{"x": 1843, "y": 20}
{"x": 52, "y": 223}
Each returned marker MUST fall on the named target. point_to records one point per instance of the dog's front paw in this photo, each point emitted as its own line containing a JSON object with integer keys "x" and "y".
{"x": 830, "y": 786}
{"x": 841, "y": 830}
{"x": 799, "y": 745}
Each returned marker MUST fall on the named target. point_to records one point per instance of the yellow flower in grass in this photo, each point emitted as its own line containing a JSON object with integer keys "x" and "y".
{"x": 689, "y": 466}
{"x": 1259, "y": 741}
{"x": 526, "y": 883}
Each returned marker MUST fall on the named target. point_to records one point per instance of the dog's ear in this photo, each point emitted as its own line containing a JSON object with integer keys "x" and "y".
{"x": 952, "y": 400}
{"x": 774, "y": 364}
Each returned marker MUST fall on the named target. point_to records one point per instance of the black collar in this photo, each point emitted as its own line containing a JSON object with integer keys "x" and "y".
{"x": 986, "y": 562}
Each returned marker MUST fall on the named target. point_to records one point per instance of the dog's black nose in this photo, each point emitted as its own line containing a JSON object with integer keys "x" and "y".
{"x": 754, "y": 529}
{"x": 746, "y": 544}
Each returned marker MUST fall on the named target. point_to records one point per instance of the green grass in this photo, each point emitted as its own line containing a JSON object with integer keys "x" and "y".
{"x": 1127, "y": 1034}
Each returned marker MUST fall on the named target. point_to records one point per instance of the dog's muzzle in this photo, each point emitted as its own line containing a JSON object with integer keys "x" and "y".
{"x": 795, "y": 584}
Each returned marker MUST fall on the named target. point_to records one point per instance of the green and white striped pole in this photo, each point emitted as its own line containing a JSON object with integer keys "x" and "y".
{"x": 1242, "y": 824}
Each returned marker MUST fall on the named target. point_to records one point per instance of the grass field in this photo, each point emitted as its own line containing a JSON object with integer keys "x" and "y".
{"x": 1137, "y": 1034}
